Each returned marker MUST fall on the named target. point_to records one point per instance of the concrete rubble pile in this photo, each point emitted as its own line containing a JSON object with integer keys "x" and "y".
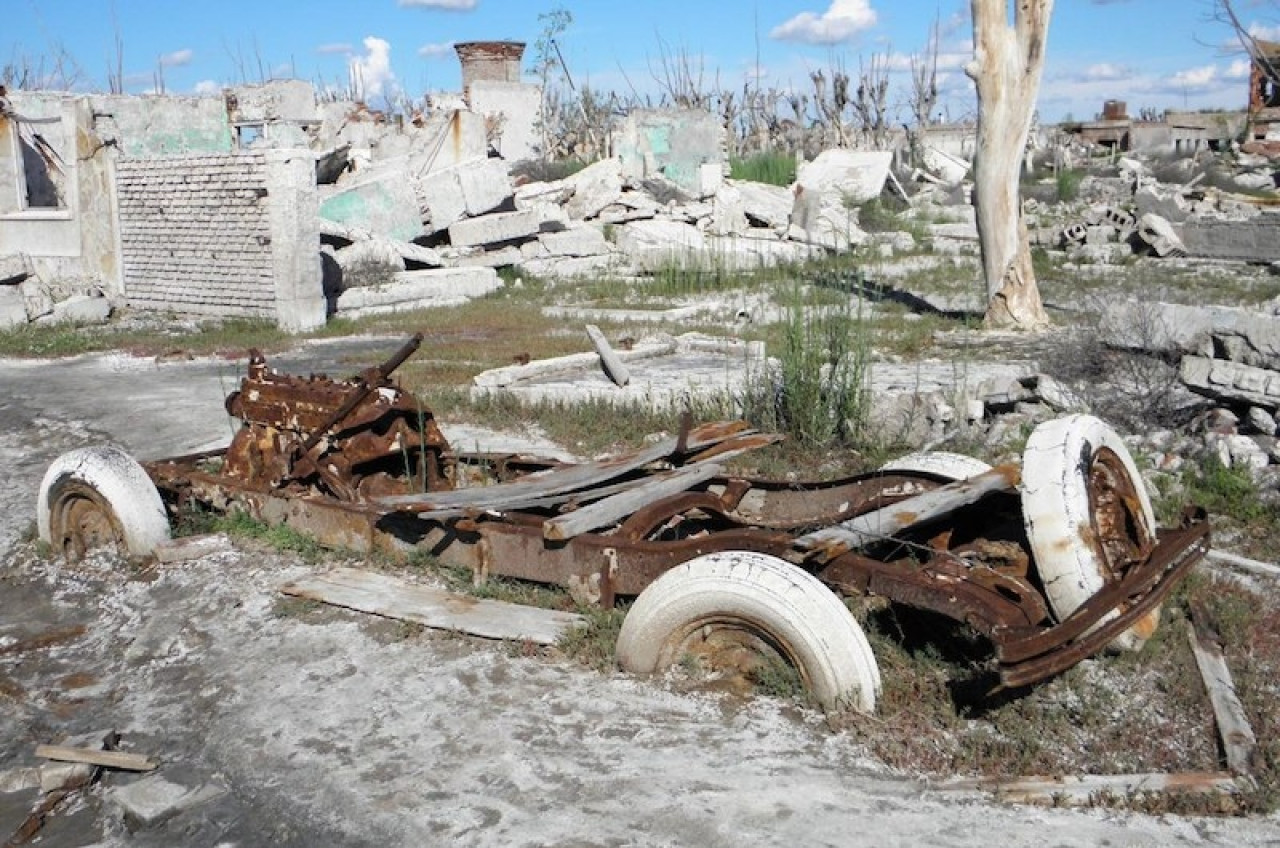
{"x": 633, "y": 213}
{"x": 1230, "y": 356}
{"x": 1135, "y": 213}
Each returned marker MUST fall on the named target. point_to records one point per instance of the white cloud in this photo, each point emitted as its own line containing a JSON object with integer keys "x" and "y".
{"x": 1106, "y": 72}
{"x": 1264, "y": 32}
{"x": 371, "y": 74}
{"x": 339, "y": 47}
{"x": 177, "y": 58}
{"x": 206, "y": 88}
{"x": 1195, "y": 79}
{"x": 1238, "y": 70}
{"x": 436, "y": 51}
{"x": 447, "y": 5}
{"x": 841, "y": 22}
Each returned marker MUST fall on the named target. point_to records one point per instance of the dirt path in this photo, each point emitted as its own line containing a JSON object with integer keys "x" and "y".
{"x": 330, "y": 728}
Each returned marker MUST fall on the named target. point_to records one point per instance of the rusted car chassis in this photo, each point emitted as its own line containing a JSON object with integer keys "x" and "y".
{"x": 360, "y": 464}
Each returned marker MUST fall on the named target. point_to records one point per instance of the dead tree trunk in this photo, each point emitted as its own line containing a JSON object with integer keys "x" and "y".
{"x": 1006, "y": 69}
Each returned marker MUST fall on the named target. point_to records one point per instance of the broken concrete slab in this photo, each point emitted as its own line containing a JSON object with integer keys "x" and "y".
{"x": 501, "y": 258}
{"x": 496, "y": 229}
{"x": 433, "y": 287}
{"x": 1149, "y": 200}
{"x": 1231, "y": 381}
{"x": 154, "y": 800}
{"x": 13, "y": 309}
{"x": 384, "y": 204}
{"x": 464, "y": 190}
{"x": 514, "y": 110}
{"x": 951, "y": 170}
{"x": 852, "y": 176}
{"x": 657, "y": 244}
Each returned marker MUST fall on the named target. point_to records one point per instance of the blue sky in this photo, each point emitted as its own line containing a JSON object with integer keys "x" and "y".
{"x": 1150, "y": 53}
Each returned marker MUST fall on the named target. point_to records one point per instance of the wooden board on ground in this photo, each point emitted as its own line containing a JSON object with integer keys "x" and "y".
{"x": 393, "y": 597}
{"x": 107, "y": 759}
{"x": 1238, "y": 740}
{"x": 1082, "y": 789}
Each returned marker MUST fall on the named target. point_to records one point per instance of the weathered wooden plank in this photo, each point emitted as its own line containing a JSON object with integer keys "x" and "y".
{"x": 1244, "y": 562}
{"x": 610, "y": 509}
{"x": 392, "y": 597}
{"x": 1238, "y": 740}
{"x": 613, "y": 366}
{"x": 1080, "y": 789}
{"x": 107, "y": 759}
{"x": 871, "y": 527}
{"x": 559, "y": 480}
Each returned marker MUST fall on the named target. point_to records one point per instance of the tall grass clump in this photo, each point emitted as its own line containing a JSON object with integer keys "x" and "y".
{"x": 818, "y": 394}
{"x": 773, "y": 168}
{"x": 1068, "y": 184}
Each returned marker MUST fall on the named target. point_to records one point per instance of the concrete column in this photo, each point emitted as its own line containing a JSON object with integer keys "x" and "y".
{"x": 295, "y": 239}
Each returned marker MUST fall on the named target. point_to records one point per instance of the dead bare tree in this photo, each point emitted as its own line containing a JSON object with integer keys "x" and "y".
{"x": 924, "y": 91}
{"x": 871, "y": 100}
{"x": 831, "y": 104}
{"x": 1006, "y": 68}
{"x": 682, "y": 78}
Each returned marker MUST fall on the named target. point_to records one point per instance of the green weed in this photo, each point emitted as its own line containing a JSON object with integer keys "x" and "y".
{"x": 773, "y": 168}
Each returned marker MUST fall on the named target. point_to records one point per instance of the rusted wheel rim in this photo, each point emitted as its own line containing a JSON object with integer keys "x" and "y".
{"x": 730, "y": 648}
{"x": 82, "y": 521}
{"x": 1120, "y": 532}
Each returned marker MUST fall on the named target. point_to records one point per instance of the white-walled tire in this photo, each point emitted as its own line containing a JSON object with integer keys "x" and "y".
{"x": 944, "y": 465}
{"x": 1087, "y": 515}
{"x": 100, "y": 497}
{"x": 758, "y": 597}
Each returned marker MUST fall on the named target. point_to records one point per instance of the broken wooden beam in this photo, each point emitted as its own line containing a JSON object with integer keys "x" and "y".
{"x": 1238, "y": 741}
{"x": 611, "y": 509}
{"x": 613, "y": 366}
{"x": 107, "y": 759}
{"x": 881, "y": 524}
{"x": 1086, "y": 788}
{"x": 1247, "y": 564}
{"x": 393, "y": 597}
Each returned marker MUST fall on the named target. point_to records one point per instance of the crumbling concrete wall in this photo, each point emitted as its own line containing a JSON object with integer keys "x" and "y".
{"x": 1255, "y": 239}
{"x": 163, "y": 125}
{"x": 514, "y": 111}
{"x": 69, "y": 234}
{"x": 686, "y": 146}
{"x": 223, "y": 234}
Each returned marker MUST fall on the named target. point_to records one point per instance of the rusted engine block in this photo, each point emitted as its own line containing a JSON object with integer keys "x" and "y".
{"x": 350, "y": 439}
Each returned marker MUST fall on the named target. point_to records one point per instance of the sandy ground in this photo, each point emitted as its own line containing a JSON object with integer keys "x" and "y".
{"x": 322, "y": 727}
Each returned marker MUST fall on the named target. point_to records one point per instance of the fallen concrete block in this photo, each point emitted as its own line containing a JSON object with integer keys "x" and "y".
{"x": 13, "y": 309}
{"x": 568, "y": 267}
{"x": 14, "y": 268}
{"x": 495, "y": 229}
{"x": 464, "y": 190}
{"x": 368, "y": 263}
{"x": 594, "y": 187}
{"x": 79, "y": 309}
{"x": 849, "y": 175}
{"x": 153, "y": 800}
{"x": 1151, "y": 201}
{"x": 951, "y": 170}
{"x": 1160, "y": 236}
{"x": 433, "y": 287}
{"x": 384, "y": 204}
{"x": 728, "y": 212}
{"x": 500, "y": 258}
{"x": 1220, "y": 379}
{"x": 578, "y": 240}
{"x": 764, "y": 205}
